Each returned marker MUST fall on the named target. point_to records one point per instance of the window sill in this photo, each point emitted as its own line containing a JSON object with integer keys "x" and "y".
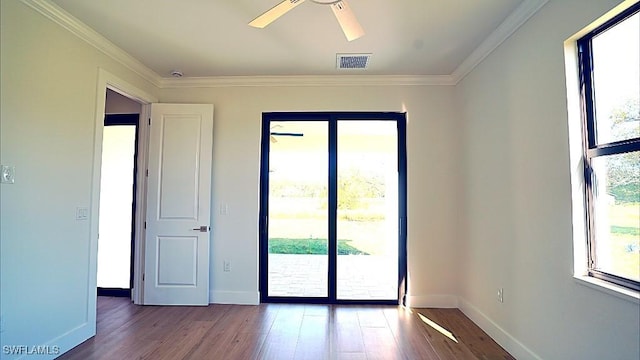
{"x": 609, "y": 288}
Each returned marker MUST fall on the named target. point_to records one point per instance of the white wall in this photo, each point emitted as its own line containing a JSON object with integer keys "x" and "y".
{"x": 432, "y": 175}
{"x": 48, "y": 110}
{"x": 517, "y": 232}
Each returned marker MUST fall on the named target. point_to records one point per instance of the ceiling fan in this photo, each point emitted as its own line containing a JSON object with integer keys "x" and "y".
{"x": 347, "y": 20}
{"x": 273, "y": 134}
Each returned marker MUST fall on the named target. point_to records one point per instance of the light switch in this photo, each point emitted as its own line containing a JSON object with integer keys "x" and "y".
{"x": 8, "y": 174}
{"x": 224, "y": 209}
{"x": 82, "y": 213}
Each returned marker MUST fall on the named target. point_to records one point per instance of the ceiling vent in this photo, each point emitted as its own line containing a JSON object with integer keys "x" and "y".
{"x": 352, "y": 61}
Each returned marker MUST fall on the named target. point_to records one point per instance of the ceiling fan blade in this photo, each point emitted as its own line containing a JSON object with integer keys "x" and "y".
{"x": 286, "y": 134}
{"x": 348, "y": 22}
{"x": 274, "y": 13}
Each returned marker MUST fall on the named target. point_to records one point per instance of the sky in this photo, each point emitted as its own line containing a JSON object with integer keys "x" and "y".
{"x": 616, "y": 57}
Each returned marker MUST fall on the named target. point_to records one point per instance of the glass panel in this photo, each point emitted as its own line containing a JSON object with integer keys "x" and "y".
{"x": 616, "y": 70}
{"x": 367, "y": 224}
{"x": 116, "y": 198}
{"x": 298, "y": 214}
{"x": 617, "y": 214}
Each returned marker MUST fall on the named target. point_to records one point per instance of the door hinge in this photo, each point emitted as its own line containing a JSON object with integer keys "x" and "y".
{"x": 145, "y": 224}
{"x": 149, "y": 121}
{"x": 147, "y": 173}
{"x": 143, "y": 277}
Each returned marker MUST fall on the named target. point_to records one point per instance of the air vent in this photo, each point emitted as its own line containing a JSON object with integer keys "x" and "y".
{"x": 352, "y": 61}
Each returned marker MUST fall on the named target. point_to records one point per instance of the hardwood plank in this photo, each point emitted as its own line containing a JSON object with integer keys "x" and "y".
{"x": 468, "y": 333}
{"x": 261, "y": 319}
{"x": 230, "y": 336}
{"x": 282, "y": 331}
{"x": 346, "y": 335}
{"x": 350, "y": 356}
{"x": 107, "y": 342}
{"x": 380, "y": 344}
{"x": 446, "y": 348}
{"x": 314, "y": 338}
{"x": 228, "y": 345}
{"x": 281, "y": 341}
{"x": 409, "y": 334}
{"x": 372, "y": 317}
{"x": 179, "y": 342}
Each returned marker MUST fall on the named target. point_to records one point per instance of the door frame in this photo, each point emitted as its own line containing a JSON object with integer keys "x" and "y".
{"x": 107, "y": 80}
{"x": 332, "y": 119}
{"x": 127, "y": 120}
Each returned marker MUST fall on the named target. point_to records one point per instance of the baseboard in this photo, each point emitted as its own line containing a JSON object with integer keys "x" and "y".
{"x": 432, "y": 301}
{"x": 234, "y": 297}
{"x": 61, "y": 344}
{"x": 503, "y": 338}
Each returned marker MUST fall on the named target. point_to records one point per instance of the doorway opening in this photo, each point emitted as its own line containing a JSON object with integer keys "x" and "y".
{"x": 118, "y": 186}
{"x": 333, "y": 208}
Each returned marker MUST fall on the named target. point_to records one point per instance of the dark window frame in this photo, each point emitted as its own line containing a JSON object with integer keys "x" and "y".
{"x": 332, "y": 118}
{"x": 592, "y": 149}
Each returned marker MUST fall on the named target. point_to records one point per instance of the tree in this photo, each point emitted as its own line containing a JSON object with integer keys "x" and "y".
{"x": 354, "y": 186}
{"x": 623, "y": 171}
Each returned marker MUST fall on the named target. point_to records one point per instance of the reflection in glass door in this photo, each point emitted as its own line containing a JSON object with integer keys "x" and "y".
{"x": 333, "y": 207}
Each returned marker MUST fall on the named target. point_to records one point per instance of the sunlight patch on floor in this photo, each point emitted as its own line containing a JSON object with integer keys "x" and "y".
{"x": 437, "y": 327}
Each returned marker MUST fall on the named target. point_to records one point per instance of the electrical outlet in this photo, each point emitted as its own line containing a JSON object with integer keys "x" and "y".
{"x": 500, "y": 295}
{"x": 226, "y": 266}
{"x": 7, "y": 174}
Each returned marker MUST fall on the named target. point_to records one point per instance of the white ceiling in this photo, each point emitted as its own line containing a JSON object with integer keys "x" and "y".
{"x": 208, "y": 38}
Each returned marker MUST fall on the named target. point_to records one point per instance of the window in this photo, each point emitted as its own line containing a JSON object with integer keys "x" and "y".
{"x": 609, "y": 70}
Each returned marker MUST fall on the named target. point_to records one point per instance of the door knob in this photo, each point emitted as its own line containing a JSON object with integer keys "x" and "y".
{"x": 203, "y": 228}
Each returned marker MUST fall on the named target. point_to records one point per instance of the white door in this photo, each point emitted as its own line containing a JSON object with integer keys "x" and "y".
{"x": 178, "y": 205}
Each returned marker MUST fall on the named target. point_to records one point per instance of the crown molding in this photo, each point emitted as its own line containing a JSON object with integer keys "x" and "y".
{"x": 305, "y": 80}
{"x": 90, "y": 36}
{"x": 510, "y": 25}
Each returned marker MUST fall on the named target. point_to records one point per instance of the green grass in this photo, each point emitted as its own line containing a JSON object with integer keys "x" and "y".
{"x": 624, "y": 240}
{"x": 310, "y": 247}
{"x": 625, "y": 230}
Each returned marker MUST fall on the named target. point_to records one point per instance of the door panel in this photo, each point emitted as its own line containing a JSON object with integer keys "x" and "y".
{"x": 178, "y": 205}
{"x": 179, "y": 169}
{"x": 173, "y": 251}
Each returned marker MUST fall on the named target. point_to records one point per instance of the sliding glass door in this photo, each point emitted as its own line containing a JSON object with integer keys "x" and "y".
{"x": 333, "y": 204}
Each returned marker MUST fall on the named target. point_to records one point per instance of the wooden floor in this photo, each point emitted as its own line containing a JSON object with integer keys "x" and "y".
{"x": 278, "y": 331}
